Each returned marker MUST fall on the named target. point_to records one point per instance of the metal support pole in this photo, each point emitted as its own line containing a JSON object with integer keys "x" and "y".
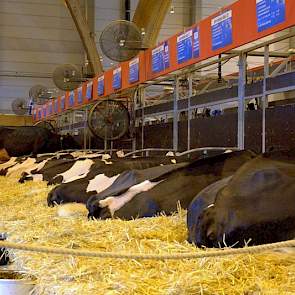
{"x": 241, "y": 102}
{"x": 85, "y": 131}
{"x": 142, "y": 103}
{"x": 189, "y": 112}
{"x": 175, "y": 114}
{"x": 264, "y": 96}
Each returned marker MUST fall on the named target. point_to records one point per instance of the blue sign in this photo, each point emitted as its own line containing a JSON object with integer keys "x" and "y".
{"x": 184, "y": 47}
{"x": 270, "y": 13}
{"x": 221, "y": 27}
{"x": 44, "y": 112}
{"x": 50, "y": 108}
{"x": 160, "y": 58}
{"x": 88, "y": 95}
{"x": 100, "y": 87}
{"x": 62, "y": 103}
{"x": 56, "y": 106}
{"x": 196, "y": 43}
{"x": 71, "y": 98}
{"x": 80, "y": 96}
{"x": 134, "y": 70}
{"x": 117, "y": 78}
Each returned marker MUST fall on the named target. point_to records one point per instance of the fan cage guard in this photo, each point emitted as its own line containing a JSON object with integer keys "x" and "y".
{"x": 92, "y": 127}
{"x": 111, "y": 37}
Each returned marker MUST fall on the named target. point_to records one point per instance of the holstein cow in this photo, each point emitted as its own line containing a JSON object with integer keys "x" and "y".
{"x": 255, "y": 205}
{"x": 26, "y": 140}
{"x": 61, "y": 168}
{"x": 100, "y": 176}
{"x": 163, "y": 193}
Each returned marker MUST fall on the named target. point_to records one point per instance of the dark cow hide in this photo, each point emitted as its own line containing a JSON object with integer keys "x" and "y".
{"x": 26, "y": 140}
{"x": 257, "y": 204}
{"x": 177, "y": 186}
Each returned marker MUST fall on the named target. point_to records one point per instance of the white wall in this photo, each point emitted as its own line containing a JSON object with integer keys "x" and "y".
{"x": 35, "y": 36}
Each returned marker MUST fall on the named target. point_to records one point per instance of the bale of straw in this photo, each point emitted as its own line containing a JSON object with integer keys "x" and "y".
{"x": 27, "y": 219}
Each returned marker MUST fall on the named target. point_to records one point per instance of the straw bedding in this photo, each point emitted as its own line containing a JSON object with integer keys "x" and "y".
{"x": 27, "y": 219}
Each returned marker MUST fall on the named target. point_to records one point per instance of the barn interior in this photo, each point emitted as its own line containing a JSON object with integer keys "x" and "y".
{"x": 144, "y": 143}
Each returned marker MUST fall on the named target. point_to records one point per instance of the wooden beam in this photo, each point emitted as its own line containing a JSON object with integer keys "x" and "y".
{"x": 85, "y": 35}
{"x": 150, "y": 15}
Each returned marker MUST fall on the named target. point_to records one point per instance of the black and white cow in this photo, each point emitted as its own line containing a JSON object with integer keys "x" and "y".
{"x": 164, "y": 193}
{"x": 256, "y": 204}
{"x": 100, "y": 176}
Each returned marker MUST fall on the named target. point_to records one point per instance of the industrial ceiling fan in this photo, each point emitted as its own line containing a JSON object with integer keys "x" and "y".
{"x": 109, "y": 119}
{"x": 121, "y": 40}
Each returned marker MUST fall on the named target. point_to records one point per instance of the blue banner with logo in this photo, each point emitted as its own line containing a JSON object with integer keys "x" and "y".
{"x": 160, "y": 58}
{"x": 71, "y": 98}
{"x": 100, "y": 86}
{"x": 88, "y": 95}
{"x": 80, "y": 96}
{"x": 62, "y": 103}
{"x": 117, "y": 78}
{"x": 221, "y": 28}
{"x": 134, "y": 70}
{"x": 270, "y": 13}
{"x": 56, "y": 106}
{"x": 184, "y": 47}
{"x": 196, "y": 42}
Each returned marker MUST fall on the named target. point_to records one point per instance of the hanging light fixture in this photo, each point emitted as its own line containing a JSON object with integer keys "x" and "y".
{"x": 172, "y": 11}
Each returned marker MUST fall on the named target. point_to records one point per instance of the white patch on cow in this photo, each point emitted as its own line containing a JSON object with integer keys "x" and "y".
{"x": 18, "y": 169}
{"x": 115, "y": 203}
{"x": 170, "y": 154}
{"x": 120, "y": 154}
{"x": 105, "y": 157}
{"x": 37, "y": 177}
{"x": 100, "y": 182}
{"x": 228, "y": 151}
{"x": 11, "y": 162}
{"x": 78, "y": 170}
{"x": 37, "y": 166}
{"x": 107, "y": 162}
{"x": 173, "y": 161}
{"x": 72, "y": 210}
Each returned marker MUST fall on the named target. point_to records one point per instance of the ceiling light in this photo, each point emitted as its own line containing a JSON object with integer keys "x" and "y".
{"x": 172, "y": 11}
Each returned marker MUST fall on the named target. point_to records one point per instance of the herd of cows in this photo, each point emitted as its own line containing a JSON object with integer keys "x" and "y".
{"x": 231, "y": 198}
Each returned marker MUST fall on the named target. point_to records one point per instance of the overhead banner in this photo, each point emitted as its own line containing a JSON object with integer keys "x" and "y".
{"x": 44, "y": 111}
{"x": 62, "y": 103}
{"x": 134, "y": 70}
{"x": 184, "y": 47}
{"x": 80, "y": 95}
{"x": 117, "y": 78}
{"x": 100, "y": 86}
{"x": 39, "y": 113}
{"x": 89, "y": 90}
{"x": 221, "y": 29}
{"x": 50, "y": 108}
{"x": 71, "y": 98}
{"x": 270, "y": 13}
{"x": 160, "y": 58}
{"x": 56, "y": 106}
{"x": 196, "y": 42}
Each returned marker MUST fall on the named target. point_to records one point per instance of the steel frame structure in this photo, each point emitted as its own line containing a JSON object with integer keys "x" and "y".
{"x": 240, "y": 98}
